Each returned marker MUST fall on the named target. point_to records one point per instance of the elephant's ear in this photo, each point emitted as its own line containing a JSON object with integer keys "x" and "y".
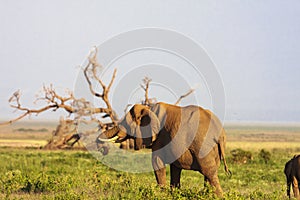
{"x": 128, "y": 123}
{"x": 155, "y": 124}
{"x": 150, "y": 126}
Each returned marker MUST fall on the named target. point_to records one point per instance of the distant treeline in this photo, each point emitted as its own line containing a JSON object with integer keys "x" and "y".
{"x": 31, "y": 130}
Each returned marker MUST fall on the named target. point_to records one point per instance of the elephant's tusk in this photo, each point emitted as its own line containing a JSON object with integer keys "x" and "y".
{"x": 109, "y": 140}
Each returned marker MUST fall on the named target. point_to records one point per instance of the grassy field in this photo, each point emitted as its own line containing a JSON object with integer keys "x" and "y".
{"x": 31, "y": 173}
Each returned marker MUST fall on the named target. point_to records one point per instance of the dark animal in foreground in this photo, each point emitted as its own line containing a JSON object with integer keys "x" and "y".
{"x": 292, "y": 173}
{"x": 189, "y": 138}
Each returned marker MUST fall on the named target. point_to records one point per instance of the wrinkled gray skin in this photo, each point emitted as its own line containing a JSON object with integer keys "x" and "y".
{"x": 185, "y": 137}
{"x": 292, "y": 173}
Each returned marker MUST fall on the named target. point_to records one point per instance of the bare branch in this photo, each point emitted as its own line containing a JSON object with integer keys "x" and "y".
{"x": 112, "y": 79}
{"x": 87, "y": 77}
{"x": 51, "y": 98}
{"x": 13, "y": 120}
{"x": 183, "y": 96}
{"x": 145, "y": 87}
{"x": 90, "y": 72}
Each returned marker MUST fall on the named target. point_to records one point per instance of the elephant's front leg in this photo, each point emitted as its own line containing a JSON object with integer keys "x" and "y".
{"x": 159, "y": 170}
{"x": 288, "y": 189}
{"x": 175, "y": 176}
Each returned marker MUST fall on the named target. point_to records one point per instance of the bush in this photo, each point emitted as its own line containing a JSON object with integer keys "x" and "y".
{"x": 12, "y": 182}
{"x": 44, "y": 183}
{"x": 241, "y": 156}
{"x": 264, "y": 156}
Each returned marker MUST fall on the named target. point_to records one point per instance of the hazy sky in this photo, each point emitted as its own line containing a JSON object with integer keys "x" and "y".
{"x": 254, "y": 44}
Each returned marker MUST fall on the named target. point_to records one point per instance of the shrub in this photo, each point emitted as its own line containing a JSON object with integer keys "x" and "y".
{"x": 264, "y": 156}
{"x": 241, "y": 156}
{"x": 12, "y": 181}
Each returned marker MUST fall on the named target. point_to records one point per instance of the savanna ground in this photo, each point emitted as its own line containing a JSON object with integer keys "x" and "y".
{"x": 27, "y": 172}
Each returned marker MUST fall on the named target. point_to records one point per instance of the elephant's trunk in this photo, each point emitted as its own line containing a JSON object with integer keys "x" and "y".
{"x": 138, "y": 142}
{"x": 109, "y": 135}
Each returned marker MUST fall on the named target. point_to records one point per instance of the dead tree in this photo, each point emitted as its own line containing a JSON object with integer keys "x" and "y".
{"x": 64, "y": 136}
{"x": 80, "y": 110}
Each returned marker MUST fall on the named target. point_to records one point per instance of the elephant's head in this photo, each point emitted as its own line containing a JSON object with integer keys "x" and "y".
{"x": 139, "y": 123}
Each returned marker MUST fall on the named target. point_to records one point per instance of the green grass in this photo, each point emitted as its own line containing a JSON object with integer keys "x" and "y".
{"x": 38, "y": 174}
{"x": 27, "y": 173}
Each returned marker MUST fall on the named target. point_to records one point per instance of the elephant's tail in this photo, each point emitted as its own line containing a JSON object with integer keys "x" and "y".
{"x": 221, "y": 145}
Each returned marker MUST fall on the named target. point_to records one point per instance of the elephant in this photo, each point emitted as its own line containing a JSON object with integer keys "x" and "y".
{"x": 292, "y": 173}
{"x": 190, "y": 138}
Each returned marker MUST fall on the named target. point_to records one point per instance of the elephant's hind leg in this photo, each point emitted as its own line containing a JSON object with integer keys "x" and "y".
{"x": 214, "y": 181}
{"x": 209, "y": 168}
{"x": 210, "y": 173}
